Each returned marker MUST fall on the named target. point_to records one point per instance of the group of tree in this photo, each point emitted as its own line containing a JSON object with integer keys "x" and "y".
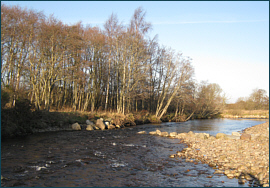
{"x": 257, "y": 100}
{"x": 117, "y": 68}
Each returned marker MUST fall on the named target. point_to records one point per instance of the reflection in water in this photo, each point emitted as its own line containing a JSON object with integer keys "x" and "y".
{"x": 109, "y": 158}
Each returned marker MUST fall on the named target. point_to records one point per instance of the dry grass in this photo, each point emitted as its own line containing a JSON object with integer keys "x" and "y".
{"x": 237, "y": 113}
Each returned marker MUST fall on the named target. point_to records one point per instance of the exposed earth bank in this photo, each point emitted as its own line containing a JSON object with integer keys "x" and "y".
{"x": 241, "y": 155}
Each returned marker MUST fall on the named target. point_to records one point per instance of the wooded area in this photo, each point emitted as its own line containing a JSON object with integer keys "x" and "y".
{"x": 118, "y": 68}
{"x": 257, "y": 100}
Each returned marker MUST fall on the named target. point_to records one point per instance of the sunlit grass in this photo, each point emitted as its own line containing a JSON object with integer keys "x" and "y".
{"x": 246, "y": 113}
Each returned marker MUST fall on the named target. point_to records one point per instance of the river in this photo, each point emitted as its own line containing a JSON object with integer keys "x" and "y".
{"x": 110, "y": 158}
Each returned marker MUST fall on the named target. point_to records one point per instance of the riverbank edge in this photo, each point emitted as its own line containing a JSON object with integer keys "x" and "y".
{"x": 23, "y": 122}
{"x": 239, "y": 157}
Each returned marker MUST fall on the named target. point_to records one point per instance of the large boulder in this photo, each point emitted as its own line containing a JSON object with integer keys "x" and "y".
{"x": 88, "y": 122}
{"x": 245, "y": 136}
{"x": 76, "y": 127}
{"x": 207, "y": 135}
{"x": 164, "y": 134}
{"x": 100, "y": 124}
{"x": 111, "y": 126}
{"x": 173, "y": 134}
{"x": 89, "y": 128}
{"x": 153, "y": 132}
{"x": 158, "y": 132}
{"x": 236, "y": 134}
{"x": 201, "y": 135}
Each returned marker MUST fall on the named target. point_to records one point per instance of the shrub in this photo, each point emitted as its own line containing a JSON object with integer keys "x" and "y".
{"x": 4, "y": 98}
{"x": 17, "y": 120}
{"x": 154, "y": 119}
{"x": 179, "y": 118}
{"x": 130, "y": 117}
{"x": 236, "y": 112}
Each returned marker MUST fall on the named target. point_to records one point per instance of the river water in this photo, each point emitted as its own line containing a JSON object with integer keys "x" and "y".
{"x": 110, "y": 158}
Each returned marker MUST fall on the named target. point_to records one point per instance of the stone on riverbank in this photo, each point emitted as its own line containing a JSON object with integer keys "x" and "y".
{"x": 107, "y": 123}
{"x": 89, "y": 128}
{"x": 100, "y": 124}
{"x": 117, "y": 126}
{"x": 245, "y": 136}
{"x": 158, "y": 132}
{"x": 96, "y": 128}
{"x": 218, "y": 172}
{"x": 181, "y": 135}
{"x": 202, "y": 135}
{"x": 236, "y": 134}
{"x": 165, "y": 134}
{"x": 220, "y": 135}
{"x": 172, "y": 156}
{"x": 88, "y": 122}
{"x": 141, "y": 132}
{"x": 111, "y": 126}
{"x": 173, "y": 134}
{"x": 76, "y": 127}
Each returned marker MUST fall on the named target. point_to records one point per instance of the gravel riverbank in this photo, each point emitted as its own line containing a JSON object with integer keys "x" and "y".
{"x": 241, "y": 155}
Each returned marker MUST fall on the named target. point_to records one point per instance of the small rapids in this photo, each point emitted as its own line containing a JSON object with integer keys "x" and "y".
{"x": 108, "y": 158}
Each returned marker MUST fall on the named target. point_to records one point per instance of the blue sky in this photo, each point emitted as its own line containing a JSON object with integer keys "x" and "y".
{"x": 228, "y": 41}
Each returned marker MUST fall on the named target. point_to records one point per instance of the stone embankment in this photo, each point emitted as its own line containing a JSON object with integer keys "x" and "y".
{"x": 241, "y": 155}
{"x": 100, "y": 124}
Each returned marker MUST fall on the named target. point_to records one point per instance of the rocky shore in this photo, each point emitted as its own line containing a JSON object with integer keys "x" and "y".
{"x": 241, "y": 155}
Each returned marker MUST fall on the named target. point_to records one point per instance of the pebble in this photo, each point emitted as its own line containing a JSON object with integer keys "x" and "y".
{"x": 141, "y": 132}
{"x": 230, "y": 176}
{"x": 218, "y": 172}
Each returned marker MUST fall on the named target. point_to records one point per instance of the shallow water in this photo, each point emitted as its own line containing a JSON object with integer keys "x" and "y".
{"x": 213, "y": 126}
{"x": 110, "y": 158}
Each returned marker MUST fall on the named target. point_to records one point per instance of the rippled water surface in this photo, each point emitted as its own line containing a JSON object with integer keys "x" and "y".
{"x": 109, "y": 158}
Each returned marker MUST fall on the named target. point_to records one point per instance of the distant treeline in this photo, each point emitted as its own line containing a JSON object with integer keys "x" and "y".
{"x": 117, "y": 68}
{"x": 257, "y": 100}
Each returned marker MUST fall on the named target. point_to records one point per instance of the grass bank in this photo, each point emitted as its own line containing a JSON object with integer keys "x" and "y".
{"x": 236, "y": 113}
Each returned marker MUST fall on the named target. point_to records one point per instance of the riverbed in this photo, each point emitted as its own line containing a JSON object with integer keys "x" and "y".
{"x": 108, "y": 158}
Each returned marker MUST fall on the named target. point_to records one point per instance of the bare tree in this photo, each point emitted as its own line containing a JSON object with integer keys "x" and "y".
{"x": 176, "y": 72}
{"x": 119, "y": 68}
{"x": 210, "y": 99}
